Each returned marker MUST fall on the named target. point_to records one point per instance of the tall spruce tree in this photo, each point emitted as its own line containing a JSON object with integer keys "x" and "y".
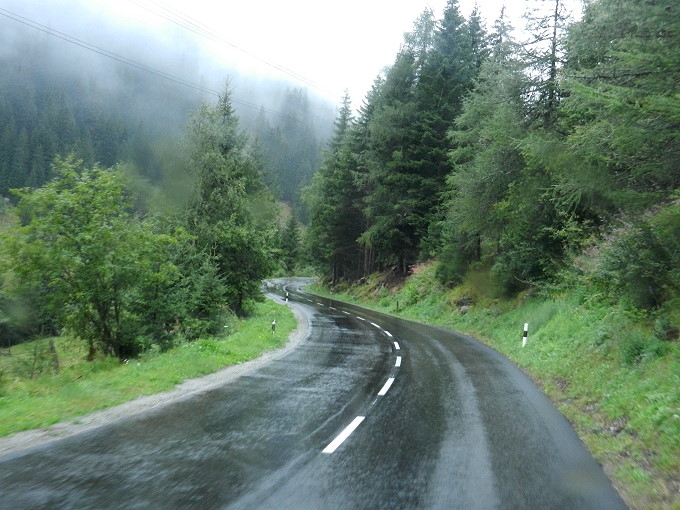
{"x": 227, "y": 178}
{"x": 333, "y": 202}
{"x": 544, "y": 56}
{"x": 391, "y": 206}
{"x": 396, "y": 205}
{"x": 460, "y": 47}
{"x": 485, "y": 159}
{"x": 421, "y": 96}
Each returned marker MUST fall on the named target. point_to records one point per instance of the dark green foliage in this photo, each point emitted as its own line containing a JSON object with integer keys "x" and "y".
{"x": 20, "y": 319}
{"x": 81, "y": 253}
{"x": 455, "y": 258}
{"x": 228, "y": 179}
{"x": 481, "y": 151}
{"x": 333, "y": 200}
{"x": 640, "y": 261}
{"x": 623, "y": 108}
{"x": 89, "y": 263}
{"x": 290, "y": 245}
{"x": 635, "y": 347}
{"x": 544, "y": 56}
{"x": 400, "y": 143}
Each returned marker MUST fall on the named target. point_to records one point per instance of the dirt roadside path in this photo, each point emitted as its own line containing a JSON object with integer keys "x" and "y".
{"x": 186, "y": 390}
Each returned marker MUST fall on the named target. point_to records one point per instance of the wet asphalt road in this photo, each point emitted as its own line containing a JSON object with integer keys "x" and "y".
{"x": 441, "y": 422}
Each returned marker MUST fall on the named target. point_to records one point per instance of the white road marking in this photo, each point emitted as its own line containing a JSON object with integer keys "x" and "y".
{"x": 375, "y": 325}
{"x": 388, "y": 333}
{"x": 346, "y": 312}
{"x": 398, "y": 362}
{"x": 320, "y": 304}
{"x": 360, "y": 318}
{"x": 396, "y": 345}
{"x": 386, "y": 387}
{"x": 332, "y": 308}
{"x": 343, "y": 435}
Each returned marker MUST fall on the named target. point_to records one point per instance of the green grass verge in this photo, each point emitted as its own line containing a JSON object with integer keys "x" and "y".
{"x": 34, "y": 395}
{"x": 604, "y": 370}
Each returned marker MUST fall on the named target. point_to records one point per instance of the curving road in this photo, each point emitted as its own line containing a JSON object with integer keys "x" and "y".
{"x": 368, "y": 412}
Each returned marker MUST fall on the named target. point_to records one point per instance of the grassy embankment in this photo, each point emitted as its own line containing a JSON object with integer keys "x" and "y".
{"x": 616, "y": 383}
{"x": 33, "y": 394}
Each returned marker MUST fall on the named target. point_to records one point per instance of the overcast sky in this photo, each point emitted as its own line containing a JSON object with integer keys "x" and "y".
{"x": 331, "y": 45}
{"x": 326, "y": 45}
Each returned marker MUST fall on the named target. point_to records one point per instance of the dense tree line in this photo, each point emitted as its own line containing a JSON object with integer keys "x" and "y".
{"x": 484, "y": 152}
{"x": 47, "y": 109}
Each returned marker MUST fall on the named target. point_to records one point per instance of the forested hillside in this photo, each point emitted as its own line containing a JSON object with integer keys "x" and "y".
{"x": 540, "y": 172}
{"x": 105, "y": 103}
{"x": 478, "y": 149}
{"x": 91, "y": 253}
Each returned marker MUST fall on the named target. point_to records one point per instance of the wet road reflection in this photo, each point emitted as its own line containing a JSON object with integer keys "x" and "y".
{"x": 445, "y": 423}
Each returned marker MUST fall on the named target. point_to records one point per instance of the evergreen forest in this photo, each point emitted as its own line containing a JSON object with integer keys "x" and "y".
{"x": 546, "y": 163}
{"x": 548, "y": 160}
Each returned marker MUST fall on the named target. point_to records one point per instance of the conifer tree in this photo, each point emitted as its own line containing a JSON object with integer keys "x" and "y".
{"x": 333, "y": 202}
{"x": 226, "y": 175}
{"x": 544, "y": 56}
{"x": 421, "y": 96}
{"x": 485, "y": 159}
{"x": 624, "y": 104}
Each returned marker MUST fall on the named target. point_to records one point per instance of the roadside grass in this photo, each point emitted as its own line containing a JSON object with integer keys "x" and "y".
{"x": 603, "y": 369}
{"x": 34, "y": 395}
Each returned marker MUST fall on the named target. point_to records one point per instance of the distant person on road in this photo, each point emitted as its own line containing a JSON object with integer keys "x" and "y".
{"x": 273, "y": 326}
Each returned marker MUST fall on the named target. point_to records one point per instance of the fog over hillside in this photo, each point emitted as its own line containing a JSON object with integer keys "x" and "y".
{"x": 66, "y": 41}
{"x": 132, "y": 74}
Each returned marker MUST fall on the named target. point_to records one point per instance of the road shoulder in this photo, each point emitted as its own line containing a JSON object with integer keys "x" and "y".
{"x": 185, "y": 390}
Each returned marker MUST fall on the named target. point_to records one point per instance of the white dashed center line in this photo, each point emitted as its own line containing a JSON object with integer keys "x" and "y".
{"x": 386, "y": 387}
{"x": 342, "y": 437}
{"x": 335, "y": 444}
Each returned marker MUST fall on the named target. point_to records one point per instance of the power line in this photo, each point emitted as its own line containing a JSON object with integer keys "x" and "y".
{"x": 183, "y": 20}
{"x": 124, "y": 60}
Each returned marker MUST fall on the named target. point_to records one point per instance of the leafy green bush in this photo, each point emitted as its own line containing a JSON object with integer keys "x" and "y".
{"x": 634, "y": 347}
{"x": 638, "y": 262}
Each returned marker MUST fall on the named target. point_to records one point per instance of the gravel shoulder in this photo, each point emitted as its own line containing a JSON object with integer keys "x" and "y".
{"x": 185, "y": 390}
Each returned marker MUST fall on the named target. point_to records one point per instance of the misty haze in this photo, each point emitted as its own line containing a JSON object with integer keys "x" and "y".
{"x": 75, "y": 81}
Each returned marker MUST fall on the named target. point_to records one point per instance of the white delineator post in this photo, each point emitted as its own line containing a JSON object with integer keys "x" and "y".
{"x": 524, "y": 335}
